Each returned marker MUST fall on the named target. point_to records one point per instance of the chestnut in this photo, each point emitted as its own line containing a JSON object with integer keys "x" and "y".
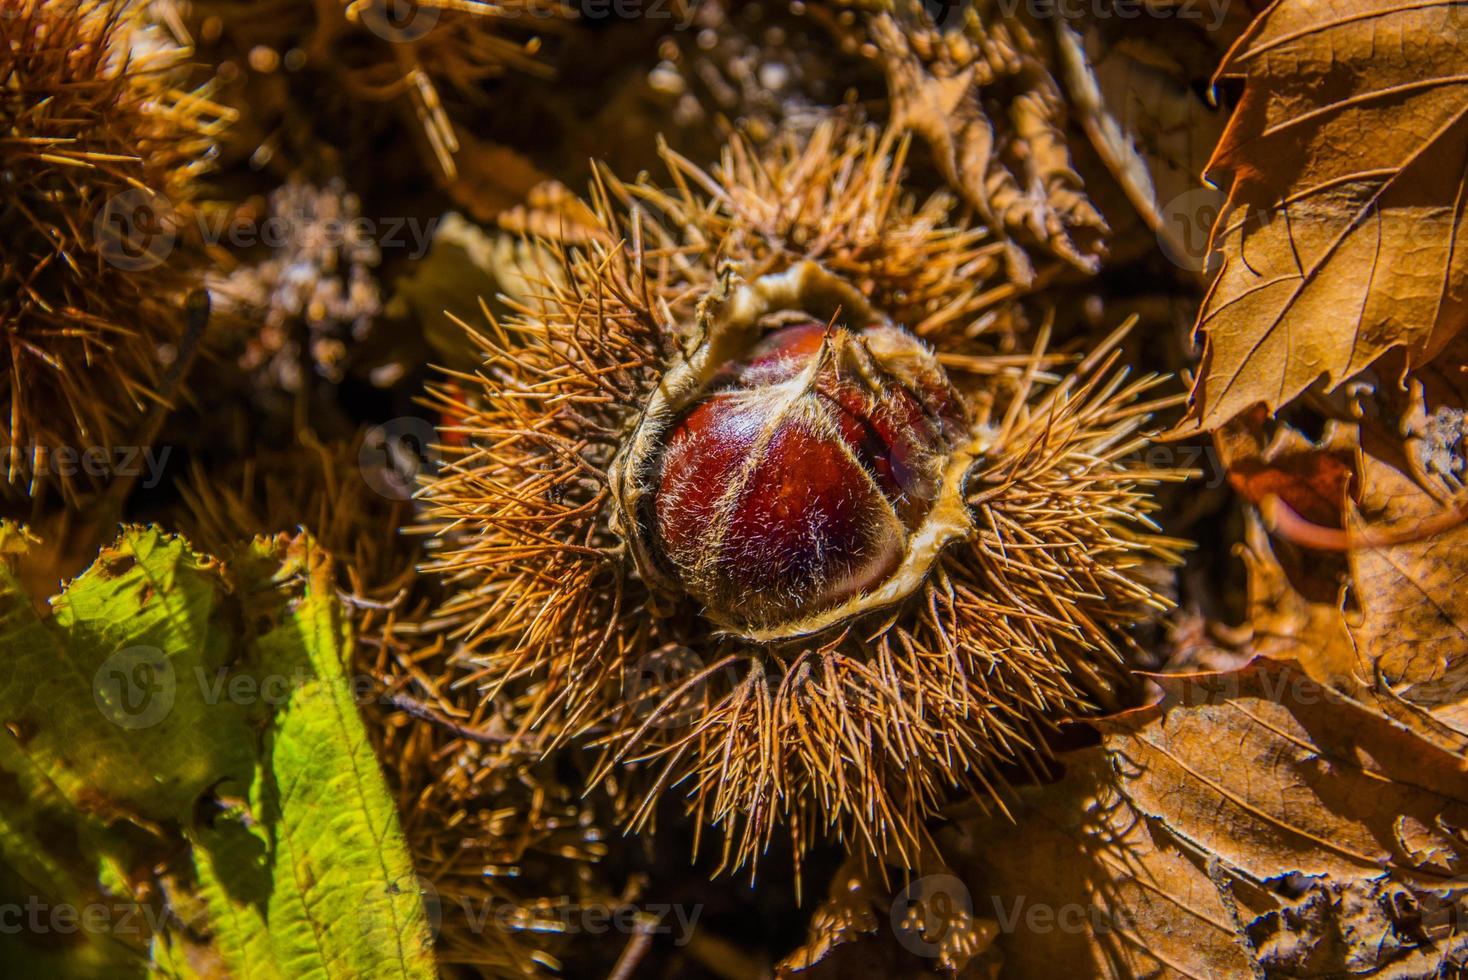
{"x": 793, "y": 485}
{"x": 789, "y": 472}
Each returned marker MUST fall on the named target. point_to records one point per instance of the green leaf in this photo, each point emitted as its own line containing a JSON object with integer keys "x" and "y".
{"x": 101, "y": 745}
{"x": 202, "y": 715}
{"x": 313, "y": 877}
{"x": 106, "y": 696}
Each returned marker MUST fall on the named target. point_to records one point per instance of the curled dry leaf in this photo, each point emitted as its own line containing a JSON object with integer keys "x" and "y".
{"x": 1408, "y": 526}
{"x": 862, "y": 931}
{"x": 1380, "y": 613}
{"x": 1432, "y": 420}
{"x": 1273, "y": 459}
{"x": 1347, "y": 172}
{"x": 1014, "y": 170}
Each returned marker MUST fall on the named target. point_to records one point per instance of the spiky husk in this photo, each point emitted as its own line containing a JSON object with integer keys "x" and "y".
{"x": 426, "y": 53}
{"x": 92, "y": 106}
{"x": 316, "y": 485}
{"x": 977, "y": 81}
{"x": 864, "y": 730}
{"x": 835, "y": 198}
{"x": 503, "y": 842}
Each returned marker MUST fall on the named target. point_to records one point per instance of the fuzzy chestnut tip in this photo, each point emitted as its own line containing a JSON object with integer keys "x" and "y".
{"x": 794, "y": 483}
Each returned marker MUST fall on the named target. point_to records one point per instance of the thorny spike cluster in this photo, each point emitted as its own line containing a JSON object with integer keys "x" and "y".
{"x": 101, "y": 147}
{"x": 313, "y": 485}
{"x": 419, "y": 52}
{"x": 973, "y": 80}
{"x": 712, "y": 503}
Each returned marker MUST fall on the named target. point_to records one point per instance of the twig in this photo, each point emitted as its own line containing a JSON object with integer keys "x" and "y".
{"x": 633, "y": 953}
{"x": 425, "y": 712}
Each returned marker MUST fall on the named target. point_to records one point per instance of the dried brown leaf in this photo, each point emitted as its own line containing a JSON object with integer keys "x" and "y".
{"x": 1252, "y": 821}
{"x": 1381, "y": 613}
{"x": 854, "y": 932}
{"x": 1012, "y": 167}
{"x": 1413, "y": 593}
{"x": 1289, "y": 626}
{"x": 1347, "y": 171}
{"x": 1276, "y": 460}
{"x": 1149, "y": 126}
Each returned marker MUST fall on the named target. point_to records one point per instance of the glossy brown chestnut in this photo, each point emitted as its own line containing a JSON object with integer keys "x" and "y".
{"x": 794, "y": 483}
